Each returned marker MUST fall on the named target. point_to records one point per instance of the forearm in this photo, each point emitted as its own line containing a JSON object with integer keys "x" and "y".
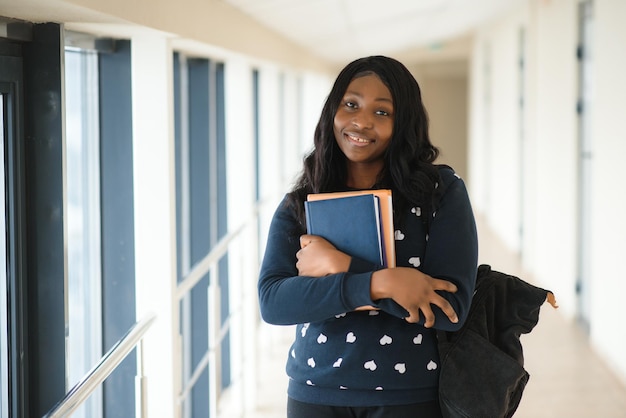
{"x": 301, "y": 299}
{"x": 452, "y": 251}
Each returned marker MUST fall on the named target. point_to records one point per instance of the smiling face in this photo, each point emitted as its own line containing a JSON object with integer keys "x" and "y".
{"x": 363, "y": 126}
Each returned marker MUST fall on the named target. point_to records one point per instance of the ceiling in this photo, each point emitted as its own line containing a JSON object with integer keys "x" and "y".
{"x": 340, "y": 30}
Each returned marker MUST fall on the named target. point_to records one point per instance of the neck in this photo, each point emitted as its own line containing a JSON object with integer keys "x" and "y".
{"x": 363, "y": 176}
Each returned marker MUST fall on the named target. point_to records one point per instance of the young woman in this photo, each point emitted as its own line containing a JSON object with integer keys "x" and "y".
{"x": 345, "y": 361}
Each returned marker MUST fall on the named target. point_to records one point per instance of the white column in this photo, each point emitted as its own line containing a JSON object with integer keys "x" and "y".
{"x": 242, "y": 256}
{"x": 155, "y": 218}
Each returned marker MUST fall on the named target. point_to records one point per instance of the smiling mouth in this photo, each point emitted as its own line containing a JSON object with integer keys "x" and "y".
{"x": 358, "y": 139}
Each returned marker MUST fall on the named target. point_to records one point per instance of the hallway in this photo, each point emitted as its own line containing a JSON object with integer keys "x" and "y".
{"x": 567, "y": 379}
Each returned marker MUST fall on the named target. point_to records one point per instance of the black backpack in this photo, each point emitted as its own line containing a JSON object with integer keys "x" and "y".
{"x": 482, "y": 364}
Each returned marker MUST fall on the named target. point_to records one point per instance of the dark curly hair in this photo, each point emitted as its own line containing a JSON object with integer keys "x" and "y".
{"x": 409, "y": 170}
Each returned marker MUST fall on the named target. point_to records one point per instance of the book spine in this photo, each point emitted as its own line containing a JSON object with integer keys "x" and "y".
{"x": 307, "y": 216}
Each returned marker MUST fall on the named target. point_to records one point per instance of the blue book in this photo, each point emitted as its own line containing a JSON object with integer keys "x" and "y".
{"x": 352, "y": 224}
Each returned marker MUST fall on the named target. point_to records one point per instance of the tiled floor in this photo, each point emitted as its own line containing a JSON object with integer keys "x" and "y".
{"x": 567, "y": 380}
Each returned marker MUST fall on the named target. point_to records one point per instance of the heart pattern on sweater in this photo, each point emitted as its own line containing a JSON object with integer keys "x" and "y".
{"x": 370, "y": 365}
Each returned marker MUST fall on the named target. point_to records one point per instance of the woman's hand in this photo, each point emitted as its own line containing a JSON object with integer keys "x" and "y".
{"x": 414, "y": 291}
{"x": 318, "y": 257}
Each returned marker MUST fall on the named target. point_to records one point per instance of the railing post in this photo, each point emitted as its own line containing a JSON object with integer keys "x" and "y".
{"x": 141, "y": 389}
{"x": 214, "y": 343}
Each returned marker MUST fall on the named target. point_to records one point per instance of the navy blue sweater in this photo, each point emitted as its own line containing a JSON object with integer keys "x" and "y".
{"x": 364, "y": 358}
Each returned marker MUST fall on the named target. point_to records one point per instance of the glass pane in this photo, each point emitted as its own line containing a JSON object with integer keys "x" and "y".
{"x": 83, "y": 222}
{"x": 4, "y": 326}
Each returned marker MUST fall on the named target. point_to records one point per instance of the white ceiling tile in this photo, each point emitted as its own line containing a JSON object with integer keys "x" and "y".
{"x": 339, "y": 30}
{"x": 371, "y": 12}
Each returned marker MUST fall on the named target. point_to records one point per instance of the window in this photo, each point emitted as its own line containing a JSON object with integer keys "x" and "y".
{"x": 52, "y": 272}
{"x": 4, "y": 323}
{"x": 100, "y": 220}
{"x": 12, "y": 265}
{"x": 83, "y": 221}
{"x": 201, "y": 222}
{"x": 31, "y": 90}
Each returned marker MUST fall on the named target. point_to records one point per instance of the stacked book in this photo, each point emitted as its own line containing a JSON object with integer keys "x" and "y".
{"x": 358, "y": 223}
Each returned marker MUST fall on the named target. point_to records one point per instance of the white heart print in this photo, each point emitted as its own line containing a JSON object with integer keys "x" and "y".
{"x": 304, "y": 328}
{"x": 400, "y": 367}
{"x": 415, "y": 261}
{"x": 418, "y": 339}
{"x": 350, "y": 338}
{"x": 432, "y": 365}
{"x": 370, "y": 365}
{"x": 417, "y": 211}
{"x": 321, "y": 339}
{"x": 399, "y": 235}
{"x": 385, "y": 340}
{"x": 311, "y": 362}
{"x": 338, "y": 362}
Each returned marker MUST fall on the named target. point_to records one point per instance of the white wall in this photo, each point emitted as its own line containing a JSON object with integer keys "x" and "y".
{"x": 608, "y": 332}
{"x": 546, "y": 173}
{"x": 444, "y": 93}
{"x": 496, "y": 160}
{"x": 556, "y": 148}
{"x": 501, "y": 174}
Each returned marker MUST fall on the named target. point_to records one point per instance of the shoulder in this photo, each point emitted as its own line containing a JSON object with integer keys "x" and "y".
{"x": 448, "y": 177}
{"x": 286, "y": 217}
{"x": 451, "y": 191}
{"x": 285, "y": 208}
{"x": 447, "y": 173}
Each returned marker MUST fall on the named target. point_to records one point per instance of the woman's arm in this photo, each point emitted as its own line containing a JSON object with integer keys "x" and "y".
{"x": 438, "y": 294}
{"x": 288, "y": 297}
{"x": 430, "y": 295}
{"x": 452, "y": 249}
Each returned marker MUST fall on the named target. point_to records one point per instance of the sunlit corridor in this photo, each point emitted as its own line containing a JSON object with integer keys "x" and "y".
{"x": 144, "y": 146}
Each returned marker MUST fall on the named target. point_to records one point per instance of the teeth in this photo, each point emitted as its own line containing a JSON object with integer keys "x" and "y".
{"x": 357, "y": 139}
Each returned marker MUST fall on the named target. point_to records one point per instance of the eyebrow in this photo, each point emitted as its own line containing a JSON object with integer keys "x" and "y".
{"x": 378, "y": 99}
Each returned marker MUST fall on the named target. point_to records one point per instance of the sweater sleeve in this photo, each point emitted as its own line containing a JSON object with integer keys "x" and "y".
{"x": 286, "y": 298}
{"x": 452, "y": 249}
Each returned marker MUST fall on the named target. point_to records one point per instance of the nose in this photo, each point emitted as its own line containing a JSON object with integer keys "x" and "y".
{"x": 362, "y": 120}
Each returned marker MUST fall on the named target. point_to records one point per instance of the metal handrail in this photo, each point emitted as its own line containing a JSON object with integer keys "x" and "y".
{"x": 217, "y": 329}
{"x": 107, "y": 364}
{"x": 203, "y": 266}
